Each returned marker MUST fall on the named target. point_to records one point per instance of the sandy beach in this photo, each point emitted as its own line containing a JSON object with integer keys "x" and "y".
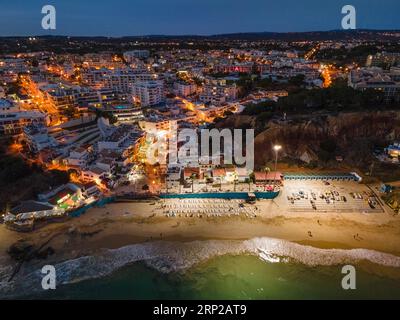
{"x": 120, "y": 224}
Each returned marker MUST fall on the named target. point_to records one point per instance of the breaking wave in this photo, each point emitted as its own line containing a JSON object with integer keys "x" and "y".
{"x": 169, "y": 257}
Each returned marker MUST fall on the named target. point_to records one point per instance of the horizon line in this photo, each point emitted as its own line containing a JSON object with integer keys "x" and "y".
{"x": 197, "y": 35}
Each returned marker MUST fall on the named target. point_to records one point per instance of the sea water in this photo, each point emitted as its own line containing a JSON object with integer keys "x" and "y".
{"x": 259, "y": 268}
{"x": 229, "y": 277}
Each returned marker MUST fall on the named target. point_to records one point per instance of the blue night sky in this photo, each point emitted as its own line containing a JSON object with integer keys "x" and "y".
{"x": 202, "y": 17}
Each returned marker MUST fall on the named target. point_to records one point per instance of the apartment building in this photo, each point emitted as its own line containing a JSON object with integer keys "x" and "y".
{"x": 383, "y": 59}
{"x": 218, "y": 92}
{"x": 184, "y": 89}
{"x": 377, "y": 79}
{"x": 120, "y": 80}
{"x": 148, "y": 93}
{"x": 233, "y": 68}
{"x": 37, "y": 138}
{"x": 131, "y": 56}
{"x": 59, "y": 96}
{"x": 13, "y": 119}
{"x": 125, "y": 113}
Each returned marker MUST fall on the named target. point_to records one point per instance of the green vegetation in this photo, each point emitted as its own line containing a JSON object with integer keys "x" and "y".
{"x": 392, "y": 199}
{"x": 227, "y": 113}
{"x": 338, "y": 97}
{"x": 327, "y": 150}
{"x": 297, "y": 80}
{"x": 13, "y": 88}
{"x": 386, "y": 172}
{"x": 258, "y": 108}
{"x": 343, "y": 56}
{"x": 22, "y": 181}
{"x": 106, "y": 114}
{"x": 263, "y": 111}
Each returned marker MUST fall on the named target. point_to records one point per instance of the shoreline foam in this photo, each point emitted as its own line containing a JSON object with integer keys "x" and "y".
{"x": 168, "y": 256}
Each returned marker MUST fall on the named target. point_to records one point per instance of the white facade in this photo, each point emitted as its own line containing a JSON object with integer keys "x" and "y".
{"x": 126, "y": 113}
{"x": 37, "y": 137}
{"x": 173, "y": 177}
{"x": 155, "y": 127}
{"x": 218, "y": 93}
{"x": 185, "y": 89}
{"x": 131, "y": 56}
{"x": 375, "y": 78}
{"x": 94, "y": 174}
{"x": 13, "y": 119}
{"x": 78, "y": 157}
{"x": 148, "y": 93}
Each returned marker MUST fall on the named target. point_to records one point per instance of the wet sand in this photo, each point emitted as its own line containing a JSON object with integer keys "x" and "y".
{"x": 120, "y": 224}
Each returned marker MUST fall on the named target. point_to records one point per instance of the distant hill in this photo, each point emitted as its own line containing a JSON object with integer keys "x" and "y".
{"x": 362, "y": 34}
{"x": 314, "y": 35}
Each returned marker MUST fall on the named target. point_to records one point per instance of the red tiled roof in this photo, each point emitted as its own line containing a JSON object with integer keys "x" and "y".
{"x": 60, "y": 195}
{"x": 187, "y": 172}
{"x": 265, "y": 176}
{"x": 218, "y": 172}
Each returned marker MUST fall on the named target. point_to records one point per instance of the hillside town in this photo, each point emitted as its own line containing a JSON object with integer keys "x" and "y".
{"x": 193, "y": 158}
{"x": 93, "y": 116}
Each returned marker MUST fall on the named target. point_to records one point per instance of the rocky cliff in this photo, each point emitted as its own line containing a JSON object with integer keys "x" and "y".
{"x": 323, "y": 137}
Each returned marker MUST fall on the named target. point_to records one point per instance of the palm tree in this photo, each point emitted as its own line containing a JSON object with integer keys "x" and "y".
{"x": 266, "y": 169}
{"x": 248, "y": 180}
{"x": 220, "y": 184}
{"x": 192, "y": 177}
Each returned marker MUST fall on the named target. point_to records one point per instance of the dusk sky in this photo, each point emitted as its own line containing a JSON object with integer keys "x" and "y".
{"x": 177, "y": 17}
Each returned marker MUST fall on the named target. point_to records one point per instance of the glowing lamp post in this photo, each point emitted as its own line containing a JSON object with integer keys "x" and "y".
{"x": 276, "y": 149}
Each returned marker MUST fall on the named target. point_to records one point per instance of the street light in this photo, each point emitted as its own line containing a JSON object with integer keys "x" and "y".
{"x": 277, "y": 147}
{"x": 266, "y": 169}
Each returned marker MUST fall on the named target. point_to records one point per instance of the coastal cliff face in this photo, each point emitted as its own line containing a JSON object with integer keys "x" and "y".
{"x": 323, "y": 137}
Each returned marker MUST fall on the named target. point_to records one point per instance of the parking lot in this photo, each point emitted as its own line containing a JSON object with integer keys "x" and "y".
{"x": 328, "y": 196}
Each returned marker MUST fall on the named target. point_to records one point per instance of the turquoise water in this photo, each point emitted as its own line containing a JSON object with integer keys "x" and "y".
{"x": 230, "y": 277}
{"x": 220, "y": 195}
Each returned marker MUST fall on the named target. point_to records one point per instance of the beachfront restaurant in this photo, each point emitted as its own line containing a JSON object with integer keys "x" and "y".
{"x": 23, "y": 216}
{"x": 66, "y": 198}
{"x": 265, "y": 178}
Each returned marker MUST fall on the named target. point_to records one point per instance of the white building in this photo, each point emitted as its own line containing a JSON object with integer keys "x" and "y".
{"x": 218, "y": 92}
{"x": 148, "y": 93}
{"x": 37, "y": 137}
{"x": 242, "y": 174}
{"x": 122, "y": 81}
{"x": 173, "y": 177}
{"x": 156, "y": 127}
{"x": 59, "y": 95}
{"x": 13, "y": 65}
{"x": 120, "y": 139}
{"x": 78, "y": 157}
{"x": 184, "y": 89}
{"x": 126, "y": 113}
{"x": 94, "y": 174}
{"x": 29, "y": 210}
{"x": 375, "y": 78}
{"x": 13, "y": 119}
{"x": 107, "y": 164}
{"x": 131, "y": 56}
